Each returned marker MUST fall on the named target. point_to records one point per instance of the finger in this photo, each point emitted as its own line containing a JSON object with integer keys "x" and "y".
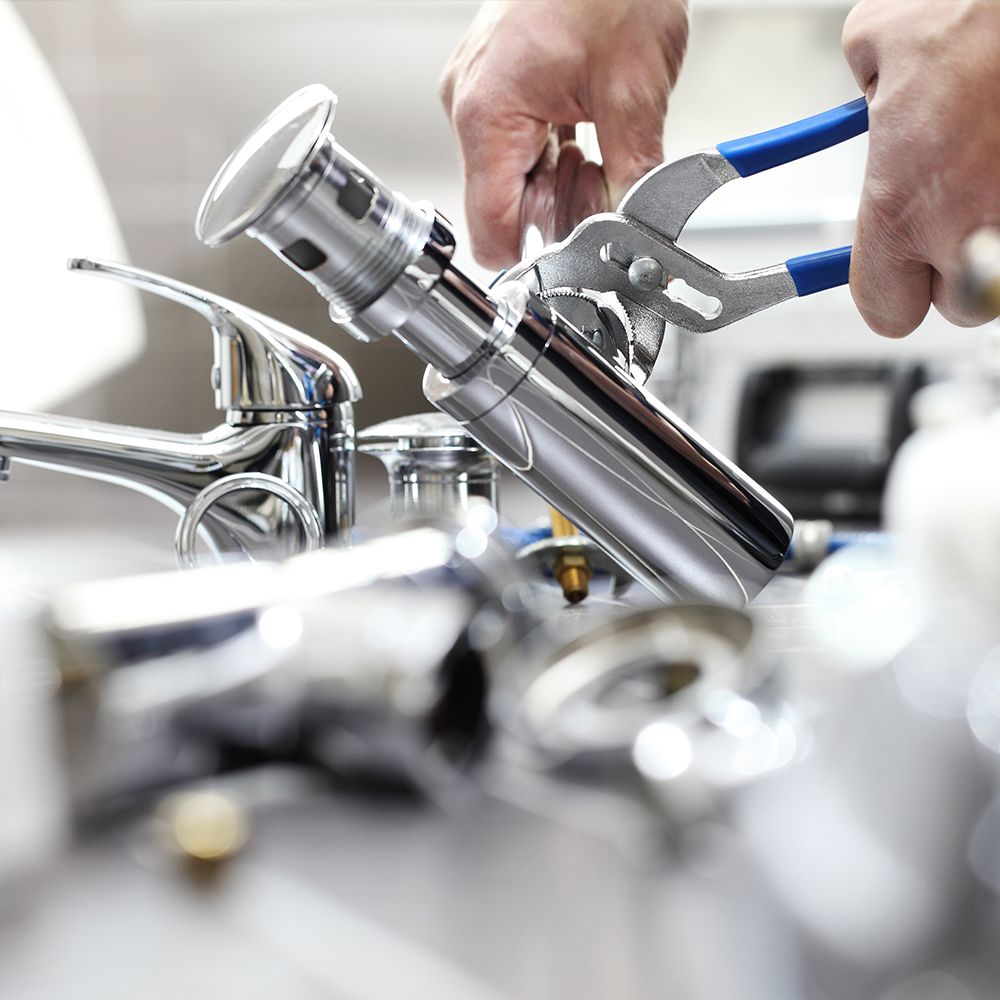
{"x": 629, "y": 122}
{"x": 562, "y": 190}
{"x": 498, "y": 151}
{"x": 538, "y": 201}
{"x": 951, "y": 301}
{"x": 892, "y": 293}
{"x": 579, "y": 191}
{"x": 859, "y": 42}
{"x": 565, "y": 133}
{"x": 590, "y": 193}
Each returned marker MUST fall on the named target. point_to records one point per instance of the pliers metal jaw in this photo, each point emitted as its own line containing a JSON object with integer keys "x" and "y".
{"x": 621, "y": 277}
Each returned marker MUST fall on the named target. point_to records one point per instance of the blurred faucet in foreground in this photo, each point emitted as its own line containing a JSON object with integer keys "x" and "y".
{"x": 370, "y": 660}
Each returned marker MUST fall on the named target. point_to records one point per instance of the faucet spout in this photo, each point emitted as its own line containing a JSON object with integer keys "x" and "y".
{"x": 174, "y": 468}
{"x": 288, "y": 405}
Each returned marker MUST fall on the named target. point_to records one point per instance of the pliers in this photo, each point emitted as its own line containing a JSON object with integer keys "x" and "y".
{"x": 621, "y": 278}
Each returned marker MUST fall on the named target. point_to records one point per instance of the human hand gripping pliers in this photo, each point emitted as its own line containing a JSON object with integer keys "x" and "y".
{"x": 620, "y": 276}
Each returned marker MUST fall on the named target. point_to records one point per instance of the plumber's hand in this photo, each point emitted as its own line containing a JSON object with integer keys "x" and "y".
{"x": 932, "y": 77}
{"x": 526, "y": 66}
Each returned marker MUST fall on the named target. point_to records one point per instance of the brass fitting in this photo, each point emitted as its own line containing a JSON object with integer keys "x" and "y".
{"x": 571, "y": 568}
{"x": 203, "y": 828}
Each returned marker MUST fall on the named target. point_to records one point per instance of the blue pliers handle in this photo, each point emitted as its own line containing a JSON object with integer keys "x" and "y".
{"x": 666, "y": 197}
{"x": 755, "y": 153}
{"x": 632, "y": 253}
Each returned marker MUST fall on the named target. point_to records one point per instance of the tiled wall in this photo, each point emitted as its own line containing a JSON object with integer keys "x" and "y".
{"x": 165, "y": 88}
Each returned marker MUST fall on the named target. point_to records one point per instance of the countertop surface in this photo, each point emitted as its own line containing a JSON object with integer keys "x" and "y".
{"x": 517, "y": 883}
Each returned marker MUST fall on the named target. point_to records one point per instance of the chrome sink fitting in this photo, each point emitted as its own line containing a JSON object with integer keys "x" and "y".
{"x": 277, "y": 476}
{"x": 522, "y": 380}
{"x": 434, "y": 466}
{"x": 374, "y": 658}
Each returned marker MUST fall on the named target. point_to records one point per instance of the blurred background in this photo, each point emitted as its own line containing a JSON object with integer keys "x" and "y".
{"x": 340, "y": 889}
{"x": 164, "y": 89}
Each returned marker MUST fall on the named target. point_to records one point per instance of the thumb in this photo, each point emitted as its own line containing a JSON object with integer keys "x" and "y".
{"x": 498, "y": 150}
{"x": 891, "y": 291}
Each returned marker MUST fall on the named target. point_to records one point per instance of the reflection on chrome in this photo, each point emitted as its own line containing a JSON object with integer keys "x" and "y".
{"x": 434, "y": 466}
{"x": 983, "y": 704}
{"x": 387, "y": 647}
{"x": 597, "y": 693}
{"x": 517, "y": 375}
{"x": 289, "y": 417}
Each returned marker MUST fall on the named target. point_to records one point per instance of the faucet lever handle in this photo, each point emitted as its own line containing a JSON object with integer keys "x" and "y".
{"x": 260, "y": 363}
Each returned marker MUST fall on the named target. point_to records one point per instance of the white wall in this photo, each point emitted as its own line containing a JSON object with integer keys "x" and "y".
{"x": 55, "y": 201}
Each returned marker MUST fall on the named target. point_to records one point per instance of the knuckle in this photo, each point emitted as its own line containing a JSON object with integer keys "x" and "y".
{"x": 486, "y": 251}
{"x": 885, "y": 200}
{"x": 446, "y": 87}
{"x": 857, "y": 27}
{"x": 466, "y": 110}
{"x": 640, "y": 102}
{"x": 858, "y": 41}
{"x": 631, "y": 129}
{"x": 854, "y": 32}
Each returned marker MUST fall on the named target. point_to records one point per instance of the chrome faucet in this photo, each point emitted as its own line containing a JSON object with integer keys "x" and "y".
{"x": 280, "y": 467}
{"x": 520, "y": 374}
{"x": 434, "y": 466}
{"x": 147, "y": 663}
